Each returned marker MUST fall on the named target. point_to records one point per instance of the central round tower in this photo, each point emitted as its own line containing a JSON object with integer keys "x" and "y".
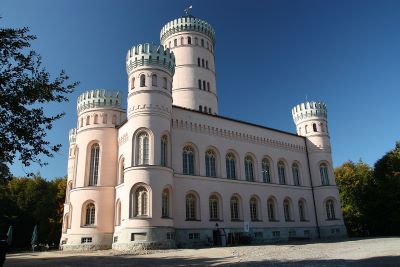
{"x": 192, "y": 40}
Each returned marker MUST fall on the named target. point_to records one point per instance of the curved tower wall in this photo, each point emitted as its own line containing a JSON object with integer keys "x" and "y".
{"x": 150, "y": 70}
{"x": 192, "y": 40}
{"x": 99, "y": 112}
{"x": 311, "y": 119}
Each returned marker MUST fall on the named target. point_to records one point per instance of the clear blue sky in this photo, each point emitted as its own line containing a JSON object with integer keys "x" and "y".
{"x": 270, "y": 55}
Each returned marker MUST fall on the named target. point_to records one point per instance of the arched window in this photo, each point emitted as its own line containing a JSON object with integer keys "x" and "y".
{"x": 230, "y": 166}
{"x": 330, "y": 210}
{"x": 121, "y": 171}
{"x": 235, "y": 208}
{"x": 296, "y": 174}
{"x": 198, "y": 61}
{"x": 208, "y": 86}
{"x": 133, "y": 83}
{"x": 94, "y": 164}
{"x": 249, "y": 169}
{"x": 205, "y": 109}
{"x": 114, "y": 119}
{"x": 202, "y": 42}
{"x": 201, "y": 108}
{"x": 204, "y": 85}
{"x": 302, "y": 210}
{"x": 165, "y": 83}
{"x": 175, "y": 42}
{"x": 286, "y": 210}
{"x": 118, "y": 213}
{"x": 154, "y": 80}
{"x": 164, "y": 150}
{"x": 299, "y": 130}
{"x": 207, "y": 64}
{"x": 191, "y": 207}
{"x": 165, "y": 203}
{"x": 199, "y": 82}
{"x": 281, "y": 172}
{"x": 189, "y": 40}
{"x": 254, "y": 209}
{"x": 182, "y": 41}
{"x": 214, "y": 209}
{"x": 209, "y": 110}
{"x": 266, "y": 171}
{"x": 323, "y": 169}
{"x": 69, "y": 188}
{"x": 90, "y": 214}
{"x": 142, "y": 80}
{"x": 188, "y": 160}
{"x": 87, "y": 120}
{"x": 105, "y": 118}
{"x": 306, "y": 129}
{"x": 202, "y": 62}
{"x": 210, "y": 163}
{"x": 96, "y": 119}
{"x": 141, "y": 199}
{"x": 271, "y": 210}
{"x": 196, "y": 41}
{"x": 314, "y": 127}
{"x": 142, "y": 149}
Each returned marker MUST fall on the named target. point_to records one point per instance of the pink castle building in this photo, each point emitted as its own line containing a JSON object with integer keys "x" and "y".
{"x": 169, "y": 171}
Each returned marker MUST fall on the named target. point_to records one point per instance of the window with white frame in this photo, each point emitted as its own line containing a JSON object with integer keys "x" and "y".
{"x": 266, "y": 171}
{"x": 249, "y": 168}
{"x": 296, "y": 174}
{"x": 210, "y": 163}
{"x": 330, "y": 209}
{"x": 94, "y": 164}
{"x": 214, "y": 209}
{"x": 235, "y": 208}
{"x": 142, "y": 80}
{"x": 323, "y": 169}
{"x": 188, "y": 160}
{"x": 142, "y": 156}
{"x": 281, "y": 172}
{"x": 141, "y": 198}
{"x": 90, "y": 214}
{"x": 191, "y": 207}
{"x": 254, "y": 209}
{"x": 230, "y": 166}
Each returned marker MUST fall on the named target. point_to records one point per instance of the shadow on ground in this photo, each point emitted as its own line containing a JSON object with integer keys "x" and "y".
{"x": 81, "y": 261}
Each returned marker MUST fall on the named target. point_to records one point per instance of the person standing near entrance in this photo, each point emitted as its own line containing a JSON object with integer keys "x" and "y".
{"x": 3, "y": 249}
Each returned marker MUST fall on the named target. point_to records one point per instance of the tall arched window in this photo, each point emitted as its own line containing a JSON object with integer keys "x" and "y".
{"x": 154, "y": 80}
{"x": 266, "y": 171}
{"x": 202, "y": 62}
{"x": 235, "y": 208}
{"x": 254, "y": 209}
{"x": 87, "y": 120}
{"x": 121, "y": 171}
{"x": 287, "y": 210}
{"x": 94, "y": 164}
{"x": 114, "y": 119}
{"x": 210, "y": 163}
{"x": 249, "y": 169}
{"x": 189, "y": 40}
{"x": 214, "y": 209}
{"x": 141, "y": 197}
{"x": 175, "y": 42}
{"x": 230, "y": 166}
{"x": 323, "y": 169}
{"x": 190, "y": 207}
{"x": 165, "y": 83}
{"x": 201, "y": 108}
{"x": 271, "y": 210}
{"x": 198, "y": 62}
{"x": 182, "y": 41}
{"x": 302, "y": 210}
{"x": 118, "y": 213}
{"x": 142, "y": 80}
{"x": 208, "y": 86}
{"x": 296, "y": 174}
{"x": 314, "y": 127}
{"x": 96, "y": 119}
{"x": 202, "y": 42}
{"x": 133, "y": 83}
{"x": 330, "y": 210}
{"x": 165, "y": 203}
{"x": 90, "y": 214}
{"x": 164, "y": 150}
{"x": 105, "y": 118}
{"x": 65, "y": 223}
{"x": 142, "y": 155}
{"x": 188, "y": 160}
{"x": 281, "y": 172}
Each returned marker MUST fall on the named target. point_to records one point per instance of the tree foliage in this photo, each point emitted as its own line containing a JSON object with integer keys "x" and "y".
{"x": 26, "y": 202}
{"x": 24, "y": 87}
{"x": 371, "y": 197}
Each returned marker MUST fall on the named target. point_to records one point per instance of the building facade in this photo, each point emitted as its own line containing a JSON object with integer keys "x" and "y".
{"x": 169, "y": 171}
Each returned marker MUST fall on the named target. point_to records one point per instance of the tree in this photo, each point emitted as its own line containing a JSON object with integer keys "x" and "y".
{"x": 385, "y": 210}
{"x": 354, "y": 182}
{"x": 24, "y": 87}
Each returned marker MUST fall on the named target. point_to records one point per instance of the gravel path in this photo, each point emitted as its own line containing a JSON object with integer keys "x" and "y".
{"x": 363, "y": 252}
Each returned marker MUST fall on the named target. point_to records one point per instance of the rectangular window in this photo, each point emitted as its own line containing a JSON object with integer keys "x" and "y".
{"x": 258, "y": 235}
{"x": 200, "y": 84}
{"x": 292, "y": 233}
{"x": 115, "y": 239}
{"x": 170, "y": 235}
{"x": 307, "y": 233}
{"x": 194, "y": 235}
{"x": 86, "y": 240}
{"x": 138, "y": 236}
{"x": 276, "y": 233}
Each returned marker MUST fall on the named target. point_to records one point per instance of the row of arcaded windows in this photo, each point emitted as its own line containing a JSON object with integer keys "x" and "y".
{"x": 204, "y": 85}
{"x": 202, "y": 63}
{"x": 154, "y": 81}
{"x": 205, "y": 109}
{"x": 190, "y": 41}
{"x": 315, "y": 128}
{"x": 231, "y": 168}
{"x": 87, "y": 120}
